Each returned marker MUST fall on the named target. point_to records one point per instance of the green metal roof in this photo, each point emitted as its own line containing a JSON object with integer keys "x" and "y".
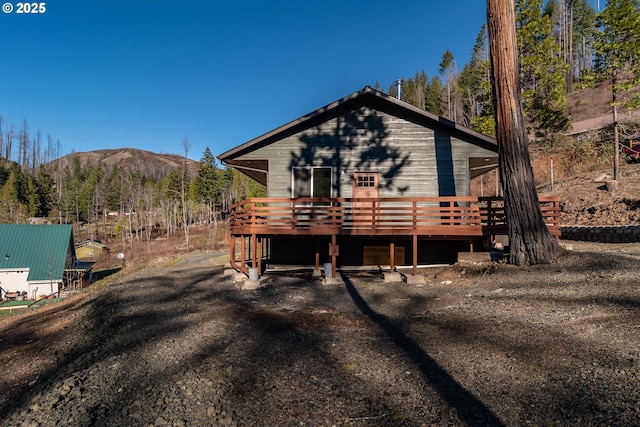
{"x": 43, "y": 248}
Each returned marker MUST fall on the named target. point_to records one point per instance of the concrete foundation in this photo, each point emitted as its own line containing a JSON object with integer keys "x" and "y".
{"x": 333, "y": 280}
{"x": 418, "y": 279}
{"x": 392, "y": 277}
{"x": 250, "y": 285}
{"x": 238, "y": 277}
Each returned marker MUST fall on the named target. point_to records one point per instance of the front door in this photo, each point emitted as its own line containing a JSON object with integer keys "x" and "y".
{"x": 366, "y": 185}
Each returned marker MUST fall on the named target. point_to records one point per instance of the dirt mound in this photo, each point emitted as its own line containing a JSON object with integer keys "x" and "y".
{"x": 595, "y": 199}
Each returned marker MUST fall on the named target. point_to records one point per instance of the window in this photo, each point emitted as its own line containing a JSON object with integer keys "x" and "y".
{"x": 365, "y": 180}
{"x": 311, "y": 182}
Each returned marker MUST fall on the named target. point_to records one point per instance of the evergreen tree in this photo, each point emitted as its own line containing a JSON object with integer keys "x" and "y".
{"x": 116, "y": 190}
{"x": 71, "y": 200}
{"x": 4, "y": 174}
{"x": 14, "y": 194}
{"x": 618, "y": 47}
{"x": 574, "y": 29}
{"x": 33, "y": 198}
{"x": 45, "y": 188}
{"x": 92, "y": 193}
{"x": 542, "y": 71}
{"x": 433, "y": 96}
{"x": 449, "y": 72}
{"x": 474, "y": 82}
{"x": 206, "y": 185}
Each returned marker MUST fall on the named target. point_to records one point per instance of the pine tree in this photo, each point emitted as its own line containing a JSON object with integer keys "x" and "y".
{"x": 449, "y": 72}
{"x": 618, "y": 47}
{"x": 474, "y": 82}
{"x": 542, "y": 70}
{"x": 32, "y": 198}
{"x": 45, "y": 186}
{"x": 206, "y": 186}
{"x": 433, "y": 96}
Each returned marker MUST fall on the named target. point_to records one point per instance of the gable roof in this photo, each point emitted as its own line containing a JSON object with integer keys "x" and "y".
{"x": 42, "y": 248}
{"x": 91, "y": 243}
{"x": 365, "y": 97}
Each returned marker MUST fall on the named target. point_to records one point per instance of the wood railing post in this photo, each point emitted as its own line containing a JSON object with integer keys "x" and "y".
{"x": 293, "y": 214}
{"x": 252, "y": 217}
{"x": 415, "y": 214}
{"x": 232, "y": 251}
{"x": 242, "y": 254}
{"x": 253, "y": 251}
{"x": 334, "y": 257}
{"x": 451, "y": 213}
{"x": 392, "y": 256}
{"x": 373, "y": 214}
{"x": 259, "y": 256}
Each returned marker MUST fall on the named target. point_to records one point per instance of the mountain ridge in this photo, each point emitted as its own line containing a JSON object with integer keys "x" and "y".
{"x": 131, "y": 159}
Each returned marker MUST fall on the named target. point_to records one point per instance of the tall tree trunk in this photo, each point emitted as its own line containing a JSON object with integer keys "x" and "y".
{"x": 529, "y": 239}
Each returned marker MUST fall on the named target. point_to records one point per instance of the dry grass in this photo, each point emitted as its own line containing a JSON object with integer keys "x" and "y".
{"x": 589, "y": 103}
{"x": 140, "y": 253}
{"x": 570, "y": 159}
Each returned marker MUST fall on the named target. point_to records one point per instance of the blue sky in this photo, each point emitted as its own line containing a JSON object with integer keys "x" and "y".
{"x": 145, "y": 74}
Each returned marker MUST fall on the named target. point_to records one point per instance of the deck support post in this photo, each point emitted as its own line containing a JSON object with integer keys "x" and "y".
{"x": 259, "y": 256}
{"x": 253, "y": 251}
{"x": 232, "y": 252}
{"x": 392, "y": 256}
{"x": 334, "y": 257}
{"x": 317, "y": 266}
{"x": 242, "y": 254}
{"x": 415, "y": 254}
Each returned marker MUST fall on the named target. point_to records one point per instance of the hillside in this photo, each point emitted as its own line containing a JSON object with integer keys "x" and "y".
{"x": 589, "y": 103}
{"x": 592, "y": 198}
{"x": 131, "y": 159}
{"x": 585, "y": 184}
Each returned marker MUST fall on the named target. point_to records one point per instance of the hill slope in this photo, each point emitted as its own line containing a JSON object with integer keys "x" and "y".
{"x": 131, "y": 159}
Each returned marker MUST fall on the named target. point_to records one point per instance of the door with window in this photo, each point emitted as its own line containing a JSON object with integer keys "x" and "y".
{"x": 366, "y": 184}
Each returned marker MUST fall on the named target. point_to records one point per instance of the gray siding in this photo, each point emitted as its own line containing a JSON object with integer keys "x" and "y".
{"x": 413, "y": 161}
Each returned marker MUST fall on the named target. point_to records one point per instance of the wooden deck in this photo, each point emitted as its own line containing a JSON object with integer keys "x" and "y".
{"x": 466, "y": 218}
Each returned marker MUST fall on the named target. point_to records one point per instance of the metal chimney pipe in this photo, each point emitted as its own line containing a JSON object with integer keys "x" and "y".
{"x": 399, "y": 88}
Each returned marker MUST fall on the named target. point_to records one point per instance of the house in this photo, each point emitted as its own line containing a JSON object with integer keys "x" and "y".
{"x": 89, "y": 250}
{"x": 364, "y": 175}
{"x": 35, "y": 259}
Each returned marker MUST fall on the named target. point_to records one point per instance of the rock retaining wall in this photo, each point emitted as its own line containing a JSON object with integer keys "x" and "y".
{"x": 605, "y": 233}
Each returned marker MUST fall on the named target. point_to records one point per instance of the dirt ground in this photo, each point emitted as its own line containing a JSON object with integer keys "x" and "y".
{"x": 182, "y": 344}
{"x": 592, "y": 199}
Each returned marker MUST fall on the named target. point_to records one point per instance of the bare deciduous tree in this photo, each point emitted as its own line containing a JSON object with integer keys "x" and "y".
{"x": 186, "y": 145}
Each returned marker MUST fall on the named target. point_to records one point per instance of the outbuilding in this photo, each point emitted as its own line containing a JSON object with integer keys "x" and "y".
{"x": 34, "y": 259}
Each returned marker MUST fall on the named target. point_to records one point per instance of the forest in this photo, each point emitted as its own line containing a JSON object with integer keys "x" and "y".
{"x": 565, "y": 46}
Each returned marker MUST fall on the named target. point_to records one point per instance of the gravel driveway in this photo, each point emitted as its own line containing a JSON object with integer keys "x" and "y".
{"x": 182, "y": 345}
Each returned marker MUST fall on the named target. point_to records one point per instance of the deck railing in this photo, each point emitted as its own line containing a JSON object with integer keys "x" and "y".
{"x": 494, "y": 218}
{"x": 425, "y": 216}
